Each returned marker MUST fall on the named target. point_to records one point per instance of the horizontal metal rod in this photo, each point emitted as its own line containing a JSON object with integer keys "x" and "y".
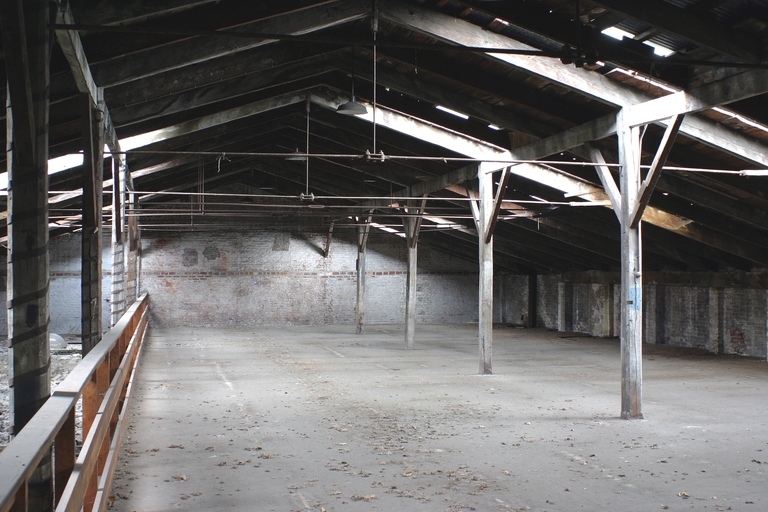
{"x": 394, "y": 199}
{"x": 366, "y": 157}
{"x": 314, "y": 212}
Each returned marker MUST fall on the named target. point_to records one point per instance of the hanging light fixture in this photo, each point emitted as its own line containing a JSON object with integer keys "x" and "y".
{"x": 352, "y": 107}
{"x": 296, "y": 157}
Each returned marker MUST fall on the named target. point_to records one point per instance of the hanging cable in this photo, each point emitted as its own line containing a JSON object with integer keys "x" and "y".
{"x": 306, "y": 188}
{"x": 374, "y": 29}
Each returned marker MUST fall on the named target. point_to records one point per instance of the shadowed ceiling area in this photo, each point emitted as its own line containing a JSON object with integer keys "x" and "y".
{"x": 221, "y": 93}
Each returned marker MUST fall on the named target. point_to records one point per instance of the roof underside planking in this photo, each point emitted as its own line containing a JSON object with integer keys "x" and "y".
{"x": 221, "y": 101}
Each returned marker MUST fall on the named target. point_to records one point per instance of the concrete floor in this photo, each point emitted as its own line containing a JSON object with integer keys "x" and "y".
{"x": 316, "y": 418}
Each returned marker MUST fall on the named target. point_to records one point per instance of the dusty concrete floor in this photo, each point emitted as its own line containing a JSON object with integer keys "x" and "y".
{"x": 316, "y": 418}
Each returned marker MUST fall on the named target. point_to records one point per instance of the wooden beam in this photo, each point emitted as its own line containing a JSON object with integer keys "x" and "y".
{"x": 423, "y": 130}
{"x": 649, "y": 183}
{"x": 183, "y": 53}
{"x": 410, "y": 293}
{"x": 434, "y": 93}
{"x": 119, "y": 12}
{"x": 412, "y": 226}
{"x": 17, "y": 65}
{"x": 92, "y": 224}
{"x": 72, "y": 47}
{"x": 485, "y": 255}
{"x": 224, "y": 116}
{"x": 409, "y": 226}
{"x": 560, "y": 180}
{"x": 594, "y": 130}
{"x": 26, "y": 45}
{"x": 328, "y": 240}
{"x": 450, "y": 29}
{"x": 223, "y": 90}
{"x": 727, "y": 90}
{"x": 697, "y": 28}
{"x": 497, "y": 204}
{"x": 362, "y": 242}
{"x": 631, "y": 331}
{"x": 606, "y": 178}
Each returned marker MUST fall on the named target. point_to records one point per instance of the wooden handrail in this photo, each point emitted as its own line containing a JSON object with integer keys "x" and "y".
{"x": 104, "y": 381}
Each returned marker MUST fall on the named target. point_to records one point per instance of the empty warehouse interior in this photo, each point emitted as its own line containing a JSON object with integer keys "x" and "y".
{"x": 442, "y": 248}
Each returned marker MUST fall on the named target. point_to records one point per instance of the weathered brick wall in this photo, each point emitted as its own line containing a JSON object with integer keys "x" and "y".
{"x": 276, "y": 278}
{"x": 547, "y": 300}
{"x": 719, "y": 319}
{"x": 592, "y": 309}
{"x": 744, "y": 321}
{"x": 681, "y": 316}
{"x": 513, "y": 299}
{"x": 65, "y": 264}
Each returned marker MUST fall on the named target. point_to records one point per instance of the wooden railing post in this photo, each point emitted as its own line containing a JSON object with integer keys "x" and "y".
{"x": 64, "y": 454}
{"x": 21, "y": 500}
{"x": 103, "y": 382}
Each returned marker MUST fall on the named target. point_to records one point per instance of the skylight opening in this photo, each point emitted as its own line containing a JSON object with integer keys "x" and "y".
{"x": 138, "y": 141}
{"x": 617, "y": 33}
{"x": 659, "y": 50}
{"x": 387, "y": 229}
{"x": 62, "y": 163}
{"x": 452, "y": 112}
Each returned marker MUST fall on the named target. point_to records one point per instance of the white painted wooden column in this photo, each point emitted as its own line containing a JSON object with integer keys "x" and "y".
{"x": 117, "y": 305}
{"x": 410, "y": 283}
{"x": 485, "y": 314}
{"x": 631, "y": 333}
{"x": 360, "y": 303}
{"x": 362, "y": 242}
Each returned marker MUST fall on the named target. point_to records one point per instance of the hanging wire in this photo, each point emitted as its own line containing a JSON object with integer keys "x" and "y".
{"x": 306, "y": 187}
{"x": 375, "y": 29}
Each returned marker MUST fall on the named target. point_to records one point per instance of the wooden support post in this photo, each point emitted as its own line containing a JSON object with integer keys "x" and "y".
{"x": 484, "y": 214}
{"x": 131, "y": 275}
{"x": 92, "y": 224}
{"x": 65, "y": 453}
{"x": 500, "y": 190}
{"x": 649, "y": 183}
{"x": 412, "y": 226}
{"x": 532, "y": 300}
{"x": 410, "y": 294}
{"x": 328, "y": 240}
{"x": 117, "y": 303}
{"x": 362, "y": 242}
{"x": 26, "y": 41}
{"x": 631, "y": 333}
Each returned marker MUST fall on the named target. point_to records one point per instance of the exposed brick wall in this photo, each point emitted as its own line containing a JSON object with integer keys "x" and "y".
{"x": 275, "y": 278}
{"x": 547, "y": 301}
{"x": 513, "y": 299}
{"x": 745, "y": 321}
{"x": 682, "y": 317}
{"x": 65, "y": 264}
{"x": 592, "y": 309}
{"x": 719, "y": 319}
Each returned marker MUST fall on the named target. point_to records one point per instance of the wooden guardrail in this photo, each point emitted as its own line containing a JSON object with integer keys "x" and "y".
{"x": 104, "y": 379}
